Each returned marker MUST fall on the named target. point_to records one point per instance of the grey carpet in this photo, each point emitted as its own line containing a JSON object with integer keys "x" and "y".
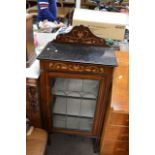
{"x": 70, "y": 145}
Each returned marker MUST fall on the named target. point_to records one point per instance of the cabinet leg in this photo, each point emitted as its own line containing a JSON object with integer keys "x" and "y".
{"x": 49, "y": 140}
{"x": 96, "y": 145}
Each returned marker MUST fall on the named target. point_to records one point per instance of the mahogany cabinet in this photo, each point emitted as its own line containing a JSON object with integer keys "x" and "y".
{"x": 76, "y": 74}
{"x": 115, "y": 136}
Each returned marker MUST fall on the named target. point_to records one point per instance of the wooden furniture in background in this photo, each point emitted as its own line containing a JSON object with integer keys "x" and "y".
{"x": 30, "y": 49}
{"x": 115, "y": 136}
{"x": 63, "y": 11}
{"x": 84, "y": 4}
{"x": 76, "y": 76}
{"x": 32, "y": 102}
{"x": 30, "y": 3}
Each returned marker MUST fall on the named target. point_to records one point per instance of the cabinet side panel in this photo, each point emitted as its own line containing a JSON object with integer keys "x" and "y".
{"x": 45, "y": 110}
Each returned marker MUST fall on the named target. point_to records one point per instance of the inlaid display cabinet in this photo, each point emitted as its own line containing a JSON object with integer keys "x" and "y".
{"x": 76, "y": 74}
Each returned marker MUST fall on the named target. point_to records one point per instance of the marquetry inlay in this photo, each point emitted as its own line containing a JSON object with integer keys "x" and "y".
{"x": 76, "y": 67}
{"x": 81, "y": 35}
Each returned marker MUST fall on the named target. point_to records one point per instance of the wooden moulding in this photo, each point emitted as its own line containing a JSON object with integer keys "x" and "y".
{"x": 30, "y": 49}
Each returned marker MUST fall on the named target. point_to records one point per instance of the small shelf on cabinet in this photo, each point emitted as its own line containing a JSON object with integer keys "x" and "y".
{"x": 74, "y": 107}
{"x": 72, "y": 123}
{"x": 75, "y": 94}
{"x": 84, "y": 98}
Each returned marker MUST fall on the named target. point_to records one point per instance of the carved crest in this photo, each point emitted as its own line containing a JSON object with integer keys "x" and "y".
{"x": 80, "y": 35}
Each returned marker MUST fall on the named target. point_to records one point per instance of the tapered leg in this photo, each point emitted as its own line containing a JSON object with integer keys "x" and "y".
{"x": 49, "y": 139}
{"x": 96, "y": 145}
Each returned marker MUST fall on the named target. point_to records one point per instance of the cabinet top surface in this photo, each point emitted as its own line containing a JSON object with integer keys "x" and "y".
{"x": 78, "y": 53}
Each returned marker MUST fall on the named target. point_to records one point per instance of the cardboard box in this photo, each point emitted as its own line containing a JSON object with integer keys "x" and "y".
{"x": 102, "y": 24}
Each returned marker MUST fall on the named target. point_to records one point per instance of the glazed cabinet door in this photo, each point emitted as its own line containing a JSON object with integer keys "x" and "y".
{"x": 75, "y": 103}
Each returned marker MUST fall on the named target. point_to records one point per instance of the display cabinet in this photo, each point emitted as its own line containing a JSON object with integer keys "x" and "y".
{"x": 76, "y": 74}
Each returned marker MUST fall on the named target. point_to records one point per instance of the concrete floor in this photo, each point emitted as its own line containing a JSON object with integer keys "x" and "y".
{"x": 70, "y": 145}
